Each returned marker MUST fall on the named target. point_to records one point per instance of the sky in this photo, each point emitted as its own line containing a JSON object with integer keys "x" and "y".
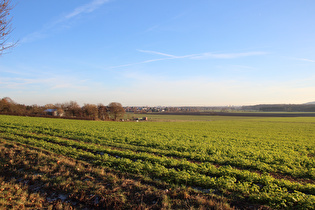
{"x": 161, "y": 52}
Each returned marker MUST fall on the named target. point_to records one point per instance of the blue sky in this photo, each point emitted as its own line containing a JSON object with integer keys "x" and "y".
{"x": 161, "y": 52}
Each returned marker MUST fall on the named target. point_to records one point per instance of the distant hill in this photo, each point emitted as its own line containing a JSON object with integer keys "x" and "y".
{"x": 313, "y": 102}
{"x": 307, "y": 107}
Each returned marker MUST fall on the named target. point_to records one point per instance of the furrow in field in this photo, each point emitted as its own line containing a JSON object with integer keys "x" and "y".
{"x": 172, "y": 162}
{"x": 195, "y": 154}
{"x": 240, "y": 160}
{"x": 83, "y": 186}
{"x": 163, "y": 153}
{"x": 112, "y": 148}
{"x": 260, "y": 193}
{"x": 183, "y": 170}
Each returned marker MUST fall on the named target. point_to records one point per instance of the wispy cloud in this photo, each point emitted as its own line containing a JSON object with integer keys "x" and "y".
{"x": 152, "y": 28}
{"x": 87, "y": 8}
{"x": 166, "y": 22}
{"x": 48, "y": 28}
{"x": 18, "y": 83}
{"x": 207, "y": 55}
{"x": 137, "y": 63}
{"x": 305, "y": 59}
{"x": 158, "y": 53}
{"x": 226, "y": 55}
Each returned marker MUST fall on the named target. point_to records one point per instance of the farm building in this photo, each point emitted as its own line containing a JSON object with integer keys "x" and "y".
{"x": 53, "y": 112}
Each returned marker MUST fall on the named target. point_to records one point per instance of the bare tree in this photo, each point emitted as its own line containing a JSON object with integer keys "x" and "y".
{"x": 102, "y": 112}
{"x": 116, "y": 110}
{"x": 5, "y": 26}
{"x": 90, "y": 110}
{"x": 72, "y": 109}
{"x": 7, "y": 105}
{"x": 50, "y": 106}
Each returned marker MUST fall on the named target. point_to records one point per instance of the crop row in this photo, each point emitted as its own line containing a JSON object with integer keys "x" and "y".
{"x": 182, "y": 164}
{"x": 301, "y": 166}
{"x": 261, "y": 188}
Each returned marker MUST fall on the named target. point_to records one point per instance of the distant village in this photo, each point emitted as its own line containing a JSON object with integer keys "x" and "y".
{"x": 307, "y": 107}
{"x": 115, "y": 111}
{"x": 148, "y": 109}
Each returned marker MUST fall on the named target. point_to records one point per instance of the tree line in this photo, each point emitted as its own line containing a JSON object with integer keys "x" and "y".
{"x": 113, "y": 111}
{"x": 281, "y": 107}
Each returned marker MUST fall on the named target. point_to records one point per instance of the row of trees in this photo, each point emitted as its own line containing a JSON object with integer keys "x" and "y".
{"x": 282, "y": 107}
{"x": 72, "y": 109}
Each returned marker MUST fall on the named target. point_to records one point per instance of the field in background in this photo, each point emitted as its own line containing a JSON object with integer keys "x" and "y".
{"x": 177, "y": 118}
{"x": 171, "y": 161}
{"x": 191, "y": 117}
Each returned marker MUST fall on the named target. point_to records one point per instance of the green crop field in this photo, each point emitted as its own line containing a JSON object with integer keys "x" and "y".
{"x": 237, "y": 161}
